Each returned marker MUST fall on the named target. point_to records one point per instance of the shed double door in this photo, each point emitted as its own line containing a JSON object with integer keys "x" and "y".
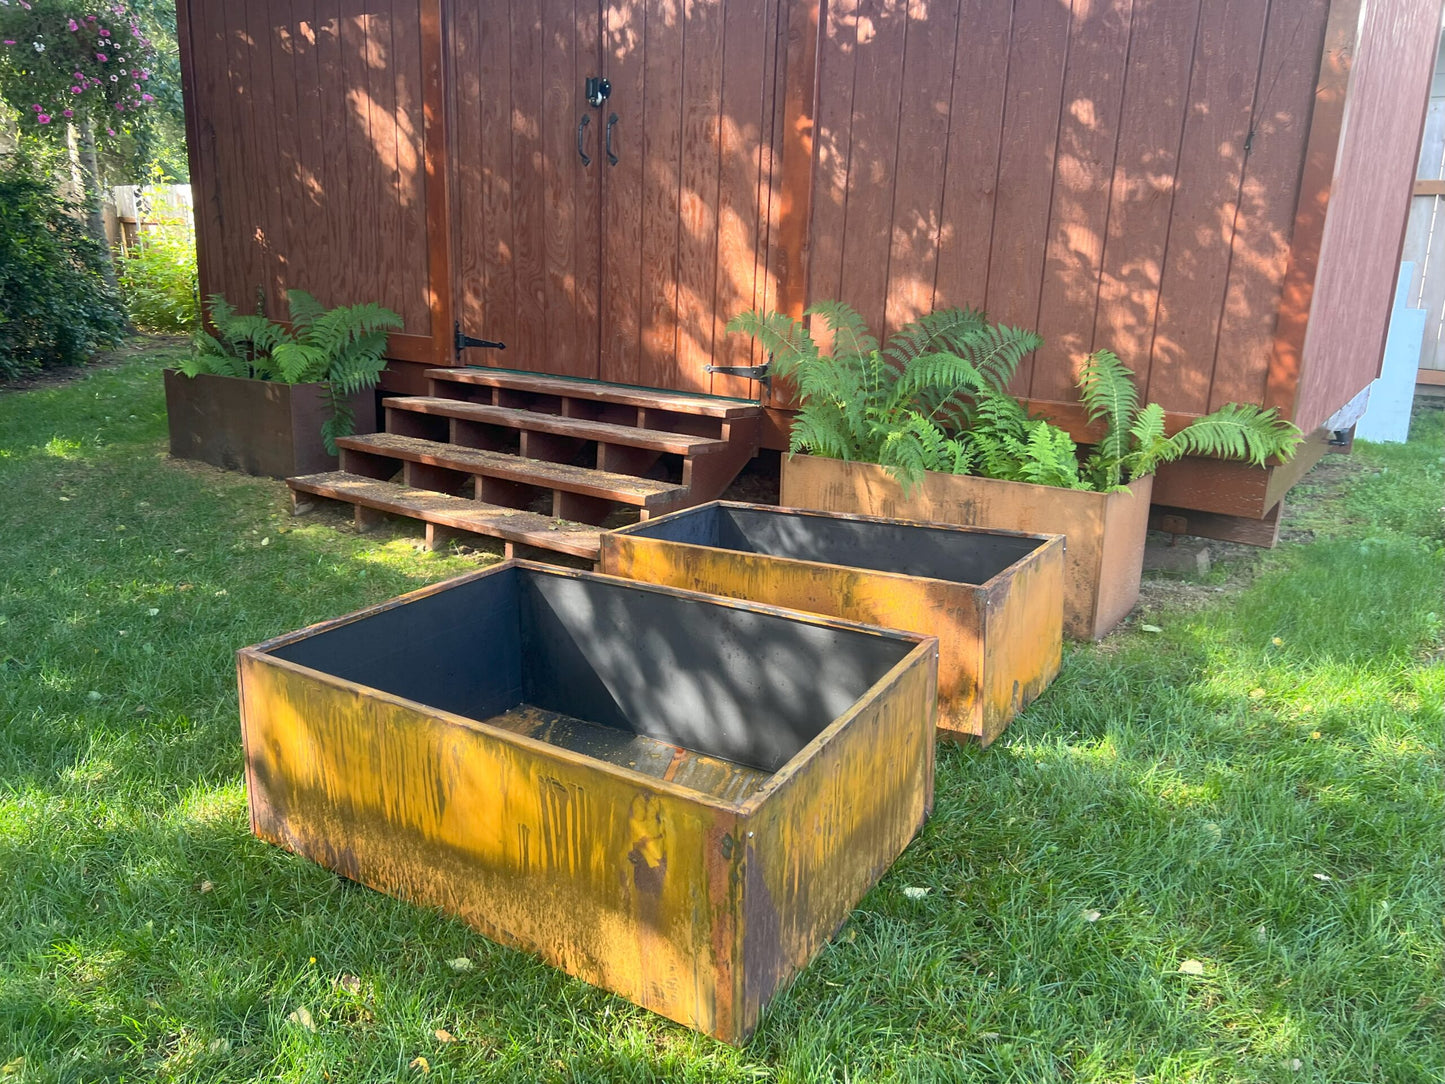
{"x": 616, "y": 258}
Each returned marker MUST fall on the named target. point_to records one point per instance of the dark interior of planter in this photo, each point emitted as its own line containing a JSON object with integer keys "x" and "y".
{"x": 748, "y": 687}
{"x": 912, "y": 550}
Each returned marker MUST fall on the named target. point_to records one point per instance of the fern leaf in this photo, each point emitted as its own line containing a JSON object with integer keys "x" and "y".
{"x": 304, "y": 308}
{"x": 1238, "y": 431}
{"x": 936, "y": 331}
{"x": 1110, "y": 399}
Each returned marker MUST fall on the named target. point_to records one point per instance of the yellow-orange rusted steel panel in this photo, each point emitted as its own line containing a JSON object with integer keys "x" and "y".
{"x": 999, "y": 638}
{"x": 1105, "y": 532}
{"x": 686, "y": 903}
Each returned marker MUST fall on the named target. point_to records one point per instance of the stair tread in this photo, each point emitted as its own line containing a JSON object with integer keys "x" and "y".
{"x": 627, "y": 488}
{"x": 511, "y": 524}
{"x": 711, "y": 406}
{"x": 605, "y": 432}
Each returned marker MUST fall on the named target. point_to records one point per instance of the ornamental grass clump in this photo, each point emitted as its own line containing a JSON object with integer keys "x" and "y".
{"x": 934, "y": 398}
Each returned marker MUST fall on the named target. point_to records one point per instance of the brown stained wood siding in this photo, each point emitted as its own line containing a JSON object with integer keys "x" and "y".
{"x": 1368, "y": 205}
{"x": 1115, "y": 173}
{"x": 308, "y": 115}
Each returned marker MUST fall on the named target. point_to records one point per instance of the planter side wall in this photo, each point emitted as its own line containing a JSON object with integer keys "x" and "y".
{"x": 956, "y": 613}
{"x": 827, "y": 835}
{"x": 626, "y": 886}
{"x": 834, "y": 485}
{"x": 257, "y": 427}
{"x": 1023, "y": 641}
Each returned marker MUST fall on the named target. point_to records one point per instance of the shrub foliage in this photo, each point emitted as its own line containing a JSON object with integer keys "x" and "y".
{"x": 55, "y": 308}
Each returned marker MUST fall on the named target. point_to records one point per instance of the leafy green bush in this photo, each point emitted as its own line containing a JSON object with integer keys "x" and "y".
{"x": 341, "y": 348}
{"x": 934, "y": 399}
{"x": 55, "y": 309}
{"x": 158, "y": 277}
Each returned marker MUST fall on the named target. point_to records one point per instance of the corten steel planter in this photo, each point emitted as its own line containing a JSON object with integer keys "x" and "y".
{"x": 259, "y": 427}
{"x": 673, "y": 796}
{"x": 1105, "y": 532}
{"x": 994, "y": 599}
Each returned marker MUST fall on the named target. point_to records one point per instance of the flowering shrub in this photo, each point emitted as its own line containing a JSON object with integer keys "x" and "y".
{"x": 73, "y": 61}
{"x": 55, "y": 308}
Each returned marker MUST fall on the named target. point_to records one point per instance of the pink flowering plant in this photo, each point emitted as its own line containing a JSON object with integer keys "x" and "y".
{"x": 75, "y": 61}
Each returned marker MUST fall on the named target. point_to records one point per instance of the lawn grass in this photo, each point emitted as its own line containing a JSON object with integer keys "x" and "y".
{"x": 1208, "y": 853}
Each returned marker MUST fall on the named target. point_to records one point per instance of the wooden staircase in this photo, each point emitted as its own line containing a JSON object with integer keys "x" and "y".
{"x": 538, "y": 461}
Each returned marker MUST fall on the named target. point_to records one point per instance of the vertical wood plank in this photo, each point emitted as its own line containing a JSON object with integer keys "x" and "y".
{"x": 413, "y": 202}
{"x": 976, "y": 113}
{"x": 243, "y": 198}
{"x": 661, "y": 181}
{"x": 873, "y": 158}
{"x": 589, "y": 195}
{"x": 929, "y": 62}
{"x": 745, "y": 24}
{"x": 1088, "y": 139}
{"x": 529, "y": 333}
{"x": 560, "y": 179}
{"x": 837, "y": 65}
{"x": 1038, "y": 54}
{"x": 1268, "y": 193}
{"x": 624, "y": 47}
{"x": 392, "y": 246}
{"x": 309, "y": 168}
{"x": 1151, "y": 123}
{"x": 490, "y": 131}
{"x": 286, "y": 70}
{"x": 1201, "y": 227}
{"x": 200, "y": 45}
{"x": 698, "y": 199}
{"x": 262, "y": 47}
{"x": 359, "y": 203}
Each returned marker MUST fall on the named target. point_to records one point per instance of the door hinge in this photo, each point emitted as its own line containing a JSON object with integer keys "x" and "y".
{"x": 761, "y": 373}
{"x": 464, "y": 340}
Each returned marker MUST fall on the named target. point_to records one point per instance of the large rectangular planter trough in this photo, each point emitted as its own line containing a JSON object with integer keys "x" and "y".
{"x": 994, "y": 599}
{"x": 1104, "y": 532}
{"x": 670, "y": 795}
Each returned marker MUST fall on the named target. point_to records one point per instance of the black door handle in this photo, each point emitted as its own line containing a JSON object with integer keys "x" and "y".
{"x": 611, "y": 123}
{"x": 581, "y": 139}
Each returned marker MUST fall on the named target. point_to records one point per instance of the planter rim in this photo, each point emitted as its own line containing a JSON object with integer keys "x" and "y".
{"x": 1129, "y": 487}
{"x": 636, "y": 529}
{"x": 249, "y": 379}
{"x": 263, "y": 652}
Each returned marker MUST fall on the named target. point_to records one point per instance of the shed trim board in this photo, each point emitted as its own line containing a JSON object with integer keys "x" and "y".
{"x": 1178, "y": 181}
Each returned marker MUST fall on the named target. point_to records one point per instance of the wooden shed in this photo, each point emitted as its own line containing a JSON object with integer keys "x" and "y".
{"x": 1215, "y": 189}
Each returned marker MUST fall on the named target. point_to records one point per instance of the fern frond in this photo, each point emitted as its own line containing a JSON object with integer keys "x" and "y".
{"x": 1050, "y": 457}
{"x": 1110, "y": 399}
{"x": 786, "y": 339}
{"x": 996, "y": 351}
{"x": 933, "y": 332}
{"x": 1238, "y": 431}
{"x": 850, "y": 334}
{"x": 1147, "y": 444}
{"x": 304, "y": 308}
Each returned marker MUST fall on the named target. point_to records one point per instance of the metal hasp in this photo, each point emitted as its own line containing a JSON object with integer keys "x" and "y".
{"x": 994, "y": 599}
{"x": 597, "y": 90}
{"x": 675, "y": 797}
{"x": 463, "y": 341}
{"x": 761, "y": 373}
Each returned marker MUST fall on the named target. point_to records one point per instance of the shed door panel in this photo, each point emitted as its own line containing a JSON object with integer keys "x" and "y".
{"x": 627, "y": 270}
{"x": 309, "y": 134}
{"x": 526, "y": 207}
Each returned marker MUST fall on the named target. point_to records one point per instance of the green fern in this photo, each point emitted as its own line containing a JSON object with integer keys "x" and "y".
{"x": 341, "y": 348}
{"x": 1110, "y": 399}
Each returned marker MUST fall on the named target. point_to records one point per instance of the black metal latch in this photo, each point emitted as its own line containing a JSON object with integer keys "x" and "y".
{"x": 761, "y": 373}
{"x": 463, "y": 341}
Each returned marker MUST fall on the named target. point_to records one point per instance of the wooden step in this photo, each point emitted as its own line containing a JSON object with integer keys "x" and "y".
{"x": 510, "y": 524}
{"x": 602, "y": 432}
{"x": 647, "y": 493}
{"x": 596, "y": 391}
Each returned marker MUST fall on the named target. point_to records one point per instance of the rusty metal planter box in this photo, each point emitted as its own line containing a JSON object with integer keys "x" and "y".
{"x": 259, "y": 427}
{"x": 670, "y": 795}
{"x": 994, "y": 599}
{"x": 1105, "y": 532}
